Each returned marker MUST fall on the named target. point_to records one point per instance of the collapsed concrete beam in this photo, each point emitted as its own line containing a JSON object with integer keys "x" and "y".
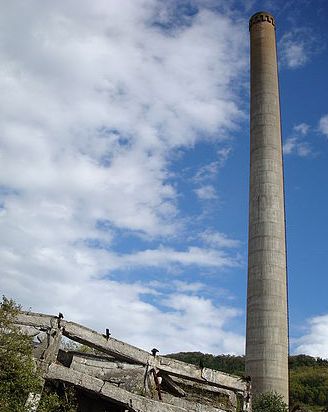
{"x": 124, "y": 351}
{"x": 38, "y": 320}
{"x": 196, "y": 387}
{"x": 190, "y": 406}
{"x": 126, "y": 376}
{"x": 118, "y": 349}
{"x": 204, "y": 375}
{"x": 131, "y": 377}
{"x": 132, "y": 402}
{"x": 173, "y": 386}
{"x": 129, "y": 353}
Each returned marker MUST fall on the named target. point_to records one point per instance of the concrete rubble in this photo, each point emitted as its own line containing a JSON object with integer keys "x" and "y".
{"x": 125, "y": 376}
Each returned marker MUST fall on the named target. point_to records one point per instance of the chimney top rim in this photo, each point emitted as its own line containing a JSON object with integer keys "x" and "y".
{"x": 261, "y": 16}
{"x": 262, "y": 12}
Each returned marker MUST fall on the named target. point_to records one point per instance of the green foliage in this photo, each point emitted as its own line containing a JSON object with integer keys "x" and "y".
{"x": 308, "y": 382}
{"x": 88, "y": 349}
{"x": 306, "y": 360}
{"x": 50, "y": 402}
{"x": 309, "y": 385}
{"x": 226, "y": 363}
{"x": 18, "y": 374}
{"x": 62, "y": 398}
{"x": 269, "y": 402}
{"x": 17, "y": 369}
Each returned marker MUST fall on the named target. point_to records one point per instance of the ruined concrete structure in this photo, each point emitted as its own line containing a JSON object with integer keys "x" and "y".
{"x": 121, "y": 377}
{"x": 267, "y": 320}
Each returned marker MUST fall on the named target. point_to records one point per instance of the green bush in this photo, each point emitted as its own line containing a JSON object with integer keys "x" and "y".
{"x": 18, "y": 373}
{"x": 18, "y": 376}
{"x": 60, "y": 399}
{"x": 269, "y": 402}
{"x": 309, "y": 385}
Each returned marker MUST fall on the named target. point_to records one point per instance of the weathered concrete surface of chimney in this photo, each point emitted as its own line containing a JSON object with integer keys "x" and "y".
{"x": 267, "y": 318}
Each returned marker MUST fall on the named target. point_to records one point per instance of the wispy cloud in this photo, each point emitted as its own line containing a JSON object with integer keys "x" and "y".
{"x": 210, "y": 170}
{"x": 163, "y": 257}
{"x": 302, "y": 129}
{"x": 219, "y": 240}
{"x": 206, "y": 172}
{"x": 296, "y": 143}
{"x": 223, "y": 155}
{"x": 323, "y": 125}
{"x": 297, "y": 46}
{"x": 206, "y": 192}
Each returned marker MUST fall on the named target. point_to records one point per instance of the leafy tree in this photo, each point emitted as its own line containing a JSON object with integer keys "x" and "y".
{"x": 18, "y": 373}
{"x": 58, "y": 399}
{"x": 50, "y": 402}
{"x": 18, "y": 376}
{"x": 269, "y": 402}
{"x": 309, "y": 385}
{"x": 298, "y": 361}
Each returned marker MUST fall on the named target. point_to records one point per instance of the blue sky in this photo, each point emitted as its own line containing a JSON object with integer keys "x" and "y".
{"x": 124, "y": 151}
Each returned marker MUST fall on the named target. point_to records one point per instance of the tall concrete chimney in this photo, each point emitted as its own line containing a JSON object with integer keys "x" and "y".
{"x": 267, "y": 312}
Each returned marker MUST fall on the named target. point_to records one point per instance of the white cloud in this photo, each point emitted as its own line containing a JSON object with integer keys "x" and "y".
{"x": 294, "y": 53}
{"x": 302, "y": 128}
{"x": 296, "y": 47}
{"x": 75, "y": 109}
{"x": 294, "y": 146}
{"x": 94, "y": 101}
{"x": 314, "y": 343}
{"x": 323, "y": 125}
{"x": 219, "y": 240}
{"x": 290, "y": 145}
{"x": 200, "y": 321}
{"x": 193, "y": 287}
{"x": 296, "y": 143}
{"x": 206, "y": 172}
{"x": 224, "y": 154}
{"x": 164, "y": 256}
{"x": 206, "y": 192}
{"x": 304, "y": 150}
{"x": 209, "y": 171}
